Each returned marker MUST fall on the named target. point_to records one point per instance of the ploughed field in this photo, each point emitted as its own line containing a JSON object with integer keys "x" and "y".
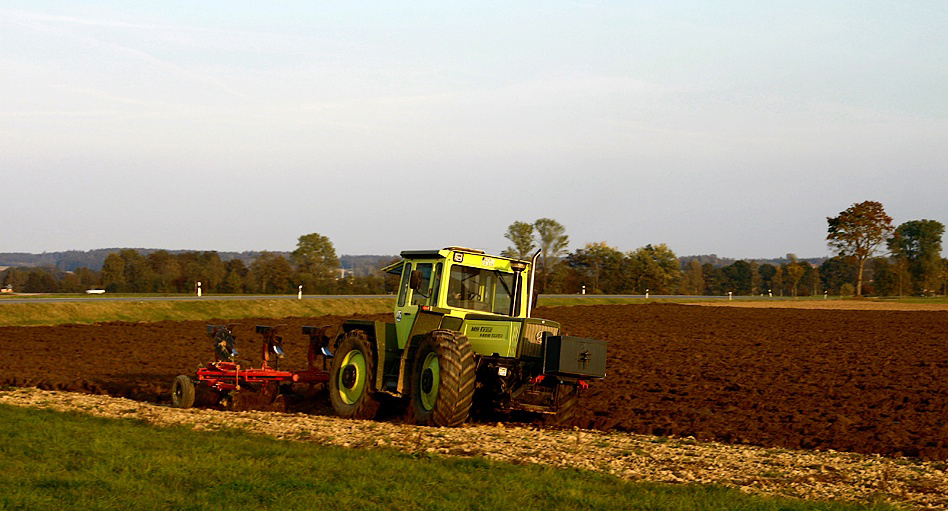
{"x": 868, "y": 381}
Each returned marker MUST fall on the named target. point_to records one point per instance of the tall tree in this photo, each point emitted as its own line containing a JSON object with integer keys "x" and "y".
{"x": 714, "y": 281}
{"x": 794, "y": 271}
{"x": 599, "y": 267}
{"x": 757, "y": 280}
{"x": 739, "y": 278}
{"x": 692, "y": 280}
{"x": 553, "y": 243}
{"x": 778, "y": 279}
{"x": 653, "y": 268}
{"x": 521, "y": 235}
{"x": 272, "y": 272}
{"x": 113, "y": 273}
{"x": 315, "y": 260}
{"x": 138, "y": 274}
{"x": 212, "y": 270}
{"x": 237, "y": 277}
{"x": 810, "y": 283}
{"x": 858, "y": 231}
{"x": 166, "y": 269}
{"x": 315, "y": 255}
{"x": 917, "y": 245}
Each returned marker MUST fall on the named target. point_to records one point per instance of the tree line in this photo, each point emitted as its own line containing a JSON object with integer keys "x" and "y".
{"x": 910, "y": 265}
{"x": 313, "y": 265}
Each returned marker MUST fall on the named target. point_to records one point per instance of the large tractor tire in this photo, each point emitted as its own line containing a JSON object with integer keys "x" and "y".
{"x": 442, "y": 383}
{"x": 182, "y": 392}
{"x": 352, "y": 378}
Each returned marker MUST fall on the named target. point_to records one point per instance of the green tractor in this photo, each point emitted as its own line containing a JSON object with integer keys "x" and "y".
{"x": 463, "y": 337}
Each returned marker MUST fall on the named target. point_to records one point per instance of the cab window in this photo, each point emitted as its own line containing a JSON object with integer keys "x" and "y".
{"x": 436, "y": 285}
{"x": 403, "y": 287}
{"x": 503, "y": 294}
{"x": 480, "y": 289}
{"x": 421, "y": 295}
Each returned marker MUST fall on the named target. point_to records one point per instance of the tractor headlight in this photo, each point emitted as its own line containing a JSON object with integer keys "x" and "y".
{"x": 501, "y": 371}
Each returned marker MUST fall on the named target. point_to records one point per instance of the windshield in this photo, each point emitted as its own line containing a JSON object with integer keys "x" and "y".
{"x": 481, "y": 290}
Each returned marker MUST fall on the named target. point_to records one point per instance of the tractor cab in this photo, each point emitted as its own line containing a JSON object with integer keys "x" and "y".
{"x": 454, "y": 284}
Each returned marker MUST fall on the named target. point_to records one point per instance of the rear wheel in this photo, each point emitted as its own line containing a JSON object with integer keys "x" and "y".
{"x": 182, "y": 392}
{"x": 352, "y": 377}
{"x": 442, "y": 384}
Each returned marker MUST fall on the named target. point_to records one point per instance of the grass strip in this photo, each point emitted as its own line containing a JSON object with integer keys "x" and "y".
{"x": 84, "y": 312}
{"x": 149, "y": 310}
{"x": 57, "y": 460}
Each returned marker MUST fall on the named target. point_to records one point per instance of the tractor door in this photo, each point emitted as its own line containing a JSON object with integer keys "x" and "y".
{"x": 419, "y": 287}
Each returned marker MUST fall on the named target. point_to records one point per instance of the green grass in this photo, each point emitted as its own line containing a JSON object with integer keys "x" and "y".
{"x": 93, "y": 311}
{"x": 56, "y": 460}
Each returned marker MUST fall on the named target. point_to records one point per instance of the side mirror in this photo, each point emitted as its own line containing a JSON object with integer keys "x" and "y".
{"x": 414, "y": 280}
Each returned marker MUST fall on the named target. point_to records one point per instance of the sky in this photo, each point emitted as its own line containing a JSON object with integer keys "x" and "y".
{"x": 734, "y": 128}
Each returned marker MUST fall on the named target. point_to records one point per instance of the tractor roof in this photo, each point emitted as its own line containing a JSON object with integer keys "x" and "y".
{"x": 424, "y": 254}
{"x": 396, "y": 268}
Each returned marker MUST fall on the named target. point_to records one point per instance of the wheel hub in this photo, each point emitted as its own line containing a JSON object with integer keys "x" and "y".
{"x": 427, "y": 380}
{"x": 349, "y": 376}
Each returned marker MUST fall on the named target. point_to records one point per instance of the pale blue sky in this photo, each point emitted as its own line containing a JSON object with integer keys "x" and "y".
{"x": 733, "y": 128}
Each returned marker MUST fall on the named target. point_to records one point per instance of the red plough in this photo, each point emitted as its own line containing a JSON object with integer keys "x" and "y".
{"x": 226, "y": 383}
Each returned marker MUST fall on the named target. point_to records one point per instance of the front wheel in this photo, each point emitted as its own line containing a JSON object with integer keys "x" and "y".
{"x": 442, "y": 383}
{"x": 352, "y": 377}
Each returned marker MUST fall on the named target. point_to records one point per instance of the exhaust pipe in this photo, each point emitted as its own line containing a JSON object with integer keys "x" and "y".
{"x": 533, "y": 273}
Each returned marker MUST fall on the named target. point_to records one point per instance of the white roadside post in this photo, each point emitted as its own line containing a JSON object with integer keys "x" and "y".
{"x": 299, "y": 296}
{"x": 199, "y": 289}
{"x": 646, "y": 293}
{"x": 729, "y": 295}
{"x": 584, "y": 288}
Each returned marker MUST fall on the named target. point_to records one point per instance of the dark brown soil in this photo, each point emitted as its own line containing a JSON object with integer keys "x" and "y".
{"x": 864, "y": 381}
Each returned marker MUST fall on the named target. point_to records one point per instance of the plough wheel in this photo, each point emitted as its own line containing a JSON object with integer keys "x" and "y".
{"x": 182, "y": 392}
{"x": 352, "y": 378}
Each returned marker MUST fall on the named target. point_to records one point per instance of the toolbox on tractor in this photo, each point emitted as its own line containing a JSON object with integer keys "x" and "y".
{"x": 574, "y": 357}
